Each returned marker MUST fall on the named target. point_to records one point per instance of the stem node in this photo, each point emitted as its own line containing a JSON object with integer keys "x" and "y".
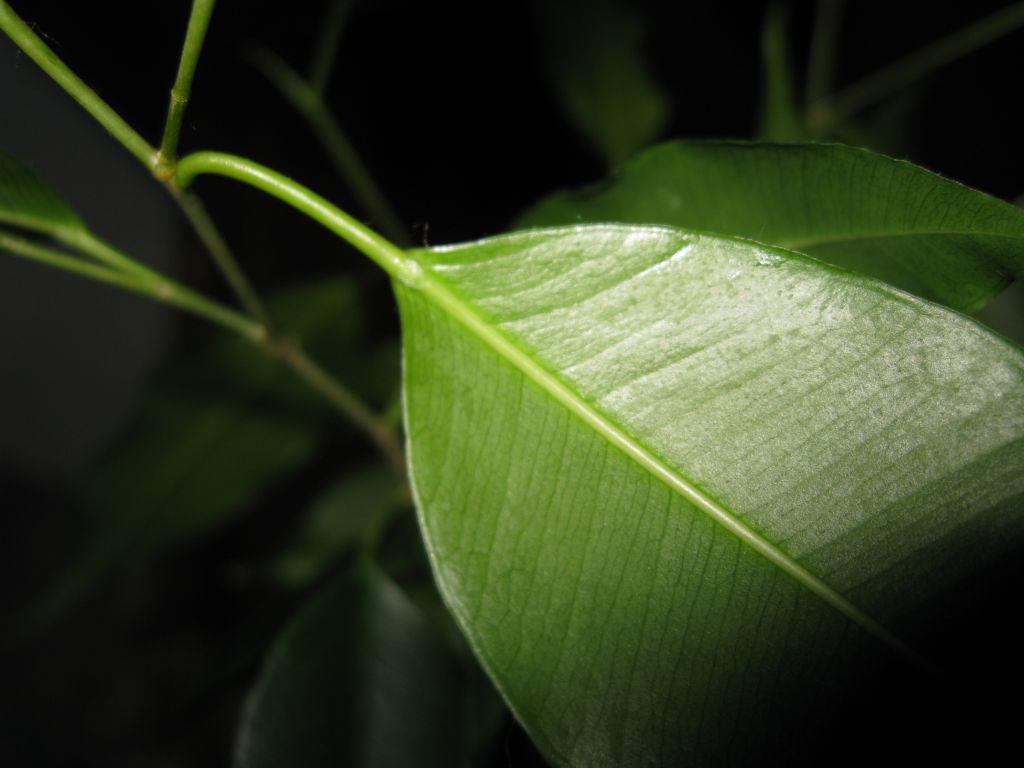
{"x": 164, "y": 168}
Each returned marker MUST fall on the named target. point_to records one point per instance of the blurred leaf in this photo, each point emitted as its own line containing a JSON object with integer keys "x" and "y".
{"x": 339, "y": 520}
{"x": 682, "y": 490}
{"x": 597, "y": 69}
{"x": 780, "y": 119}
{"x": 212, "y": 432}
{"x": 28, "y": 202}
{"x": 187, "y": 466}
{"x": 359, "y": 678}
{"x": 887, "y": 127}
{"x": 850, "y": 207}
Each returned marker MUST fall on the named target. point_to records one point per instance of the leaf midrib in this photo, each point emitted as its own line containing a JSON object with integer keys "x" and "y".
{"x": 460, "y": 309}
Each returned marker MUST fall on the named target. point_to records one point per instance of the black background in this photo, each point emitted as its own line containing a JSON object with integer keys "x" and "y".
{"x": 449, "y": 105}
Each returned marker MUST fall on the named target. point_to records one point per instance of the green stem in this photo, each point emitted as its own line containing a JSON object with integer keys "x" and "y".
{"x": 912, "y": 68}
{"x": 327, "y": 46}
{"x": 388, "y": 256}
{"x": 308, "y": 101}
{"x": 821, "y": 62}
{"x": 117, "y": 269}
{"x": 780, "y": 119}
{"x": 161, "y": 288}
{"x": 40, "y": 53}
{"x": 375, "y": 426}
{"x": 219, "y": 250}
{"x": 37, "y": 50}
{"x": 86, "y": 242}
{"x": 198, "y": 23}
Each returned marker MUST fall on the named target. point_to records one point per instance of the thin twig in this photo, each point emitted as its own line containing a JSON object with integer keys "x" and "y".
{"x": 375, "y": 426}
{"x": 160, "y": 289}
{"x": 914, "y": 67}
{"x": 824, "y": 51}
{"x": 29, "y": 42}
{"x": 383, "y": 252}
{"x": 26, "y": 39}
{"x": 191, "y": 206}
{"x": 220, "y": 252}
{"x": 309, "y": 103}
{"x": 198, "y": 23}
{"x": 117, "y": 269}
{"x": 322, "y": 63}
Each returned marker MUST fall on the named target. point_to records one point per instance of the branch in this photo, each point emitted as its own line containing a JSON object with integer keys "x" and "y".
{"x": 308, "y": 100}
{"x": 154, "y": 286}
{"x": 327, "y": 46}
{"x": 220, "y": 252}
{"x": 388, "y": 256}
{"x": 40, "y": 53}
{"x": 914, "y": 67}
{"x": 821, "y": 61}
{"x": 198, "y": 22}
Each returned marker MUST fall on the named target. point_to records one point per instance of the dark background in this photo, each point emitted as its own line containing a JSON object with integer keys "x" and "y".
{"x": 449, "y": 104}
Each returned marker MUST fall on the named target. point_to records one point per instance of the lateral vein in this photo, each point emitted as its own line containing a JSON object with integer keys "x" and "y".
{"x": 462, "y": 311}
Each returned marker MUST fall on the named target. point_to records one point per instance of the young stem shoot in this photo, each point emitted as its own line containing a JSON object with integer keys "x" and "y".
{"x": 377, "y": 427}
{"x": 155, "y": 161}
{"x": 910, "y": 69}
{"x": 211, "y": 238}
{"x": 117, "y": 269}
{"x": 821, "y": 61}
{"x": 388, "y": 256}
{"x": 327, "y": 46}
{"x": 198, "y": 23}
{"x": 308, "y": 100}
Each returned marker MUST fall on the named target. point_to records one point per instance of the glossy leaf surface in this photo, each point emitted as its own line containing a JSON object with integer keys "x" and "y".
{"x": 358, "y": 678}
{"x": 849, "y": 207}
{"x": 674, "y": 484}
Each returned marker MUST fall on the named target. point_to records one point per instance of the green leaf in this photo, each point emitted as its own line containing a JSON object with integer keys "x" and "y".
{"x": 780, "y": 116}
{"x": 211, "y": 434}
{"x": 359, "y": 678}
{"x": 339, "y": 520}
{"x": 596, "y": 66}
{"x": 27, "y": 202}
{"x": 677, "y": 488}
{"x": 849, "y": 207}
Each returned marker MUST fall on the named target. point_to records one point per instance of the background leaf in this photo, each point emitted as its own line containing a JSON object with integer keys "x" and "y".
{"x": 338, "y": 520}
{"x": 849, "y": 207}
{"x": 599, "y": 75}
{"x": 211, "y": 434}
{"x": 360, "y": 678}
{"x": 28, "y": 202}
{"x": 697, "y": 472}
{"x": 780, "y": 118}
